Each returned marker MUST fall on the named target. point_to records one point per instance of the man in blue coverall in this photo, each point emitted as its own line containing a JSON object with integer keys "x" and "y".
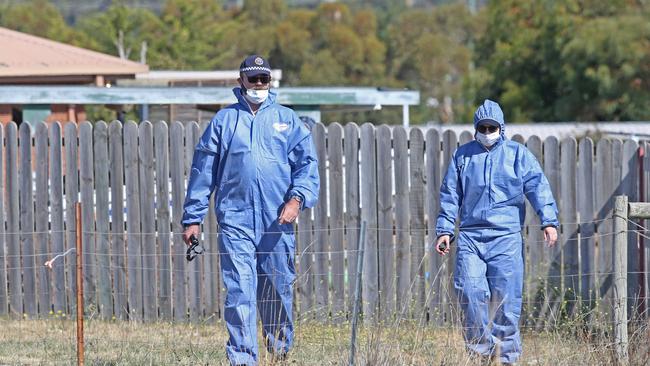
{"x": 259, "y": 159}
{"x": 486, "y": 183}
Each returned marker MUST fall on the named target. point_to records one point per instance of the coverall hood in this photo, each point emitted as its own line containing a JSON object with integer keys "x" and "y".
{"x": 490, "y": 110}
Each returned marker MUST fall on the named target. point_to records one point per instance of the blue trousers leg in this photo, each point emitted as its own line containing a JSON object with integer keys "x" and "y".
{"x": 474, "y": 296}
{"x": 505, "y": 266}
{"x": 238, "y": 270}
{"x": 276, "y": 274}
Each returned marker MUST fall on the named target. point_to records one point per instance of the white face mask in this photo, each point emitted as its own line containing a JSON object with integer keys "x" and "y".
{"x": 489, "y": 139}
{"x": 256, "y": 96}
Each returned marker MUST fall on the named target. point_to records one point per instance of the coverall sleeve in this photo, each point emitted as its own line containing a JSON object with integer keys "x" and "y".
{"x": 305, "y": 181}
{"x": 451, "y": 197}
{"x": 203, "y": 176}
{"x": 538, "y": 191}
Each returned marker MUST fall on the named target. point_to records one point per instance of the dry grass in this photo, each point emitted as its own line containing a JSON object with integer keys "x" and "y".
{"x": 52, "y": 341}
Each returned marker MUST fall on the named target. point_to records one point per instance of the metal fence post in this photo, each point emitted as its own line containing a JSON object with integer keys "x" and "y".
{"x": 620, "y": 279}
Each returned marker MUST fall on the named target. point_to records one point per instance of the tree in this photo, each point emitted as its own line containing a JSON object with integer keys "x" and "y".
{"x": 122, "y": 31}
{"x": 190, "y": 35}
{"x": 573, "y": 60}
{"x": 295, "y": 43}
{"x": 430, "y": 51}
{"x": 40, "y": 18}
{"x": 606, "y": 69}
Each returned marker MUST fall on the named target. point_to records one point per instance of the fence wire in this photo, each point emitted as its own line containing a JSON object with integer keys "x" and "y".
{"x": 552, "y": 312}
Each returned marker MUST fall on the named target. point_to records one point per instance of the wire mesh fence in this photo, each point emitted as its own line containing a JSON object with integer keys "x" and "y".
{"x": 131, "y": 180}
{"x": 587, "y": 323}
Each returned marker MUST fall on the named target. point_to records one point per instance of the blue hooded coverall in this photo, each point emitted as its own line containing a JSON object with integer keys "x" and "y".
{"x": 488, "y": 186}
{"x": 254, "y": 164}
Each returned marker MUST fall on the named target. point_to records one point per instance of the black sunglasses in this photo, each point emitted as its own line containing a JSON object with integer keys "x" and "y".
{"x": 487, "y": 128}
{"x": 264, "y": 79}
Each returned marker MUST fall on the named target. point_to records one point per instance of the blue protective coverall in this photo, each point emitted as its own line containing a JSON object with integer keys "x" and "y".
{"x": 254, "y": 164}
{"x": 487, "y": 188}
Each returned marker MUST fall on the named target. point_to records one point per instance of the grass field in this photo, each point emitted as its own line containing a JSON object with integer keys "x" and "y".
{"x": 52, "y": 341}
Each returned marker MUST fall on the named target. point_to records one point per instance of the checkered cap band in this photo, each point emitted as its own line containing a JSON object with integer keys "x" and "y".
{"x": 255, "y": 68}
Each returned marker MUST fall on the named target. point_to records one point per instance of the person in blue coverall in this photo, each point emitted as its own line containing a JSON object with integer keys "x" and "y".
{"x": 485, "y": 184}
{"x": 258, "y": 158}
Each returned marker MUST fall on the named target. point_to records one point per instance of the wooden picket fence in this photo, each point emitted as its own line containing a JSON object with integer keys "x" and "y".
{"x": 131, "y": 181}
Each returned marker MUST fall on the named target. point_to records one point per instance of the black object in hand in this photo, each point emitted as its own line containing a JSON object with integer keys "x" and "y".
{"x": 443, "y": 246}
{"x": 194, "y": 249}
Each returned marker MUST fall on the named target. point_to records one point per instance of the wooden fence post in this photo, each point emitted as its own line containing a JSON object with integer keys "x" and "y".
{"x": 620, "y": 279}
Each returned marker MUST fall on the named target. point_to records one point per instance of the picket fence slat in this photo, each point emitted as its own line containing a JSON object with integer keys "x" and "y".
{"x": 13, "y": 231}
{"x": 71, "y": 198}
{"x": 616, "y": 189}
{"x": 133, "y": 217}
{"x": 585, "y": 208}
{"x": 195, "y": 268}
{"x": 603, "y": 178}
{"x": 535, "y": 252}
{"x": 449, "y": 145}
{"x": 553, "y": 297}
{"x": 177, "y": 171}
{"x": 385, "y": 210}
{"x": 630, "y": 187}
{"x": 213, "y": 295}
{"x": 465, "y": 137}
{"x": 321, "y": 244}
{"x": 336, "y": 223}
{"x": 645, "y": 191}
{"x": 370, "y": 288}
{"x": 352, "y": 206}
{"x": 161, "y": 158}
{"x": 518, "y": 138}
{"x": 304, "y": 265}
{"x": 148, "y": 225}
{"x": 436, "y": 263}
{"x": 211, "y": 269}
{"x": 105, "y": 300}
{"x": 4, "y": 299}
{"x": 56, "y": 204}
{"x": 86, "y": 179}
{"x": 569, "y": 228}
{"x": 402, "y": 221}
{"x": 416, "y": 198}
{"x": 118, "y": 243}
{"x": 41, "y": 202}
{"x": 26, "y": 203}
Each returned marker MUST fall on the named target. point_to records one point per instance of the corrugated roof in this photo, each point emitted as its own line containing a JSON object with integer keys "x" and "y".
{"x": 22, "y": 54}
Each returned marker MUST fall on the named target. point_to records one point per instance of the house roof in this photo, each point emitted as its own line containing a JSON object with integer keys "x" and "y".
{"x": 23, "y": 54}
